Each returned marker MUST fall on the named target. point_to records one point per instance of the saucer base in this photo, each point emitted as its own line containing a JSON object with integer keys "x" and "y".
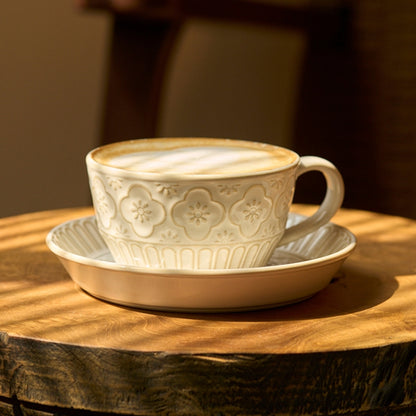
{"x": 295, "y": 272}
{"x": 197, "y": 310}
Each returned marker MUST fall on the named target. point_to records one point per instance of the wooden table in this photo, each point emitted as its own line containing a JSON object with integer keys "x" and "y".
{"x": 349, "y": 350}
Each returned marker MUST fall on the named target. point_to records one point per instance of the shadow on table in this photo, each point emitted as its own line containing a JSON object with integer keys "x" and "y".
{"x": 354, "y": 288}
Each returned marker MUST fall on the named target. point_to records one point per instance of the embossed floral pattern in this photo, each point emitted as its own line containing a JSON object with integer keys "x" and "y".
{"x": 270, "y": 230}
{"x": 198, "y": 213}
{"x": 115, "y": 183}
{"x": 167, "y": 189}
{"x": 169, "y": 236}
{"x": 180, "y": 224}
{"x": 103, "y": 202}
{"x": 225, "y": 237}
{"x": 228, "y": 189}
{"x": 277, "y": 183}
{"x": 251, "y": 211}
{"x": 283, "y": 201}
{"x": 121, "y": 230}
{"x": 141, "y": 211}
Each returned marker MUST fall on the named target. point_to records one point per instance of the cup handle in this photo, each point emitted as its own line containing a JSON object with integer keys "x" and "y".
{"x": 330, "y": 205}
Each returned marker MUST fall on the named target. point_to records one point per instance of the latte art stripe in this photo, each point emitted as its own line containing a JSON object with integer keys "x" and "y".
{"x": 198, "y": 161}
{"x": 195, "y": 156}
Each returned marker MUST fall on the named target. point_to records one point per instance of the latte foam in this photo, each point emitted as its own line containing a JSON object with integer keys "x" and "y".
{"x": 195, "y": 156}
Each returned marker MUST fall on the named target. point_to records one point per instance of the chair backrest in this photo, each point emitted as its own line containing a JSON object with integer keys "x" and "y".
{"x": 357, "y": 101}
{"x": 357, "y": 106}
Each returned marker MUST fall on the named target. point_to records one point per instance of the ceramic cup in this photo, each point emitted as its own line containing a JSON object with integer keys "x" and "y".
{"x": 196, "y": 203}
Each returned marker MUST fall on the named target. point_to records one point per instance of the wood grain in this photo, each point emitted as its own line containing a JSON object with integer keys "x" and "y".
{"x": 368, "y": 304}
{"x": 348, "y": 350}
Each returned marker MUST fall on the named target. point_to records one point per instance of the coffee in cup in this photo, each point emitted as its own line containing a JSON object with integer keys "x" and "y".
{"x": 199, "y": 203}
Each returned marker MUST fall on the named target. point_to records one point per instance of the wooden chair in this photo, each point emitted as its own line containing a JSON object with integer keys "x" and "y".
{"x": 357, "y": 98}
{"x": 144, "y": 33}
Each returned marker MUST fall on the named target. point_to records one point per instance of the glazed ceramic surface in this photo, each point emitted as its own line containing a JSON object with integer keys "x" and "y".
{"x": 295, "y": 272}
{"x": 154, "y": 212}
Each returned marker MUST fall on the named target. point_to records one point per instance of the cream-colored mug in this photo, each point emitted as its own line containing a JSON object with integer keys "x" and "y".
{"x": 198, "y": 203}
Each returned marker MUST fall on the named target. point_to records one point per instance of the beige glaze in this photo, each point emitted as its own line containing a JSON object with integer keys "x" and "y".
{"x": 201, "y": 203}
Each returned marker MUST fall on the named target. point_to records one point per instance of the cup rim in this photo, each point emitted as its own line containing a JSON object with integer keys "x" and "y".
{"x": 91, "y": 160}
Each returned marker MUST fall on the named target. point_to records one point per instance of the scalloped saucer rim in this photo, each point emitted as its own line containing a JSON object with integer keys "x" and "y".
{"x": 230, "y": 290}
{"x": 111, "y": 264}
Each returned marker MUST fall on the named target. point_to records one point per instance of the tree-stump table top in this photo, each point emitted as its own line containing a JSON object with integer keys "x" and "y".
{"x": 54, "y": 336}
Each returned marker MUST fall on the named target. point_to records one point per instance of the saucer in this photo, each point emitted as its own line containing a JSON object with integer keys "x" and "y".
{"x": 295, "y": 272}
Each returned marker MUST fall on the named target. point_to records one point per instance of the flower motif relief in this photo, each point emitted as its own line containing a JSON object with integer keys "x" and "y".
{"x": 121, "y": 230}
{"x": 115, "y": 183}
{"x": 271, "y": 230}
{"x": 142, "y": 211}
{"x": 284, "y": 200}
{"x": 103, "y": 202}
{"x": 225, "y": 237}
{"x": 169, "y": 237}
{"x": 198, "y": 213}
{"x": 228, "y": 189}
{"x": 252, "y": 211}
{"x": 167, "y": 190}
{"x": 277, "y": 183}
